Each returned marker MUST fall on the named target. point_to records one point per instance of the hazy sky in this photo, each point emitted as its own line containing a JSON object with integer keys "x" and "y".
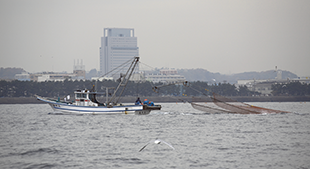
{"x": 225, "y": 36}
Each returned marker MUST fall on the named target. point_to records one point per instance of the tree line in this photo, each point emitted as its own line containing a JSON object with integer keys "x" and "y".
{"x": 60, "y": 89}
{"x": 291, "y": 89}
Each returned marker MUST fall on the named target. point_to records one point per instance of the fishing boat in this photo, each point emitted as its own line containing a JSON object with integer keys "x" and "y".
{"x": 86, "y": 103}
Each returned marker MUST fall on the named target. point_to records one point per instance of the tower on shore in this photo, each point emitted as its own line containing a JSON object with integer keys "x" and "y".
{"x": 118, "y": 45}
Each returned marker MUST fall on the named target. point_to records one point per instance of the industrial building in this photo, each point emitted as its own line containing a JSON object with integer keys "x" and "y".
{"x": 78, "y": 74}
{"x": 265, "y": 86}
{"x": 165, "y": 76}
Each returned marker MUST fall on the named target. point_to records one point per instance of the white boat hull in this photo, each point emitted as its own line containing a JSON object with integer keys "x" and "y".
{"x": 67, "y": 108}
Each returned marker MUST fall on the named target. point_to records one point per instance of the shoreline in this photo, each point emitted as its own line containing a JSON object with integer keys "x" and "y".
{"x": 172, "y": 99}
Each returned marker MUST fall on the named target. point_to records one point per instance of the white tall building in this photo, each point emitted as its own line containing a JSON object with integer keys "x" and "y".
{"x": 117, "y": 46}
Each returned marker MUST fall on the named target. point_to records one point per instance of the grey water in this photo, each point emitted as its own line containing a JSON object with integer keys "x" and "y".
{"x": 30, "y": 137}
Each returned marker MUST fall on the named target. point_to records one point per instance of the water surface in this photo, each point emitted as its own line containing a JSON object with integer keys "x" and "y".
{"x": 32, "y": 138}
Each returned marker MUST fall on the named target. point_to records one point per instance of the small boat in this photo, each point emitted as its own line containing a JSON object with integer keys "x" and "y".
{"x": 86, "y": 103}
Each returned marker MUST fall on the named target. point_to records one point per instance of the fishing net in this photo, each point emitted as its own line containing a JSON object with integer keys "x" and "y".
{"x": 208, "y": 108}
{"x": 232, "y": 105}
{"x": 240, "y": 107}
{"x": 226, "y": 105}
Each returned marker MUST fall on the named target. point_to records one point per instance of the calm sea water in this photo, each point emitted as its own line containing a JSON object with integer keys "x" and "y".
{"x": 32, "y": 138}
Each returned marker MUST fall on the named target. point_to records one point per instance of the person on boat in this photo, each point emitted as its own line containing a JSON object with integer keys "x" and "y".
{"x": 150, "y": 103}
{"x": 146, "y": 101}
{"x": 67, "y": 98}
{"x": 137, "y": 102}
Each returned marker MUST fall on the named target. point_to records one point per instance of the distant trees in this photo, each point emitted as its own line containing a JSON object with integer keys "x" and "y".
{"x": 60, "y": 89}
{"x": 29, "y": 88}
{"x": 293, "y": 88}
{"x": 225, "y": 89}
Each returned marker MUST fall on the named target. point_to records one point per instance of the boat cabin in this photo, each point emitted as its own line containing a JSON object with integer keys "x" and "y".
{"x": 85, "y": 98}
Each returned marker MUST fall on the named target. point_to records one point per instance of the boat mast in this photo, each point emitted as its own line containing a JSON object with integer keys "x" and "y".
{"x": 124, "y": 80}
